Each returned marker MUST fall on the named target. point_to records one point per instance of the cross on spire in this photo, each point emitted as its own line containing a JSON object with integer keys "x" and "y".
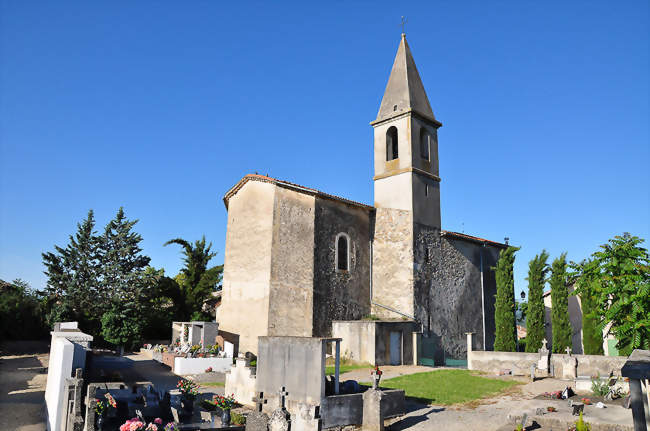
{"x": 403, "y": 24}
{"x": 281, "y": 394}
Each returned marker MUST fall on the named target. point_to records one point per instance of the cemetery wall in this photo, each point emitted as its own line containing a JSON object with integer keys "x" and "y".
{"x": 339, "y": 295}
{"x": 184, "y": 366}
{"x": 591, "y": 365}
{"x": 520, "y": 362}
{"x": 292, "y": 265}
{"x": 247, "y": 264}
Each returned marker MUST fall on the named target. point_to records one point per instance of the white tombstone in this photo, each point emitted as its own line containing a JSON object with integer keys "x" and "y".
{"x": 229, "y": 348}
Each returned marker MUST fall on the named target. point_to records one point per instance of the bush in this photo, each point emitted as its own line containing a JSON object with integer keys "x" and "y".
{"x": 237, "y": 418}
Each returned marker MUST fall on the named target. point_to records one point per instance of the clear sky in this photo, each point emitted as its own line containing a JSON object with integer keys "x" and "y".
{"x": 162, "y": 106}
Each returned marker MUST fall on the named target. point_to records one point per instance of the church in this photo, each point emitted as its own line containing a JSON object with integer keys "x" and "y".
{"x": 298, "y": 259}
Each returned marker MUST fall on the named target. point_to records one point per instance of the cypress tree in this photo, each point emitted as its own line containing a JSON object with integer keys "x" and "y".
{"x": 537, "y": 271}
{"x": 560, "y": 305}
{"x": 504, "y": 307}
{"x": 592, "y": 336}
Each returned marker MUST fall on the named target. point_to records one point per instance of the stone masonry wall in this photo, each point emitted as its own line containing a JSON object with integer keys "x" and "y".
{"x": 340, "y": 295}
{"x": 392, "y": 267}
{"x": 292, "y": 264}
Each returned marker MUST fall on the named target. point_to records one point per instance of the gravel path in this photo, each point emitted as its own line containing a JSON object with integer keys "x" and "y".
{"x": 22, "y": 392}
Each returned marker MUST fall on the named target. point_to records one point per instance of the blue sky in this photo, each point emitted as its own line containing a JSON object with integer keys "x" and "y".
{"x": 161, "y": 107}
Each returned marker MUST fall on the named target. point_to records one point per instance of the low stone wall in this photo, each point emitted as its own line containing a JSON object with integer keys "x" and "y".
{"x": 494, "y": 362}
{"x": 591, "y": 365}
{"x": 343, "y": 410}
{"x": 520, "y": 362}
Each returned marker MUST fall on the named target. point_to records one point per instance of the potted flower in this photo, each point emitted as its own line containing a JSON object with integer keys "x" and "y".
{"x": 225, "y": 404}
{"x": 189, "y": 391}
{"x": 376, "y": 376}
{"x": 136, "y": 424}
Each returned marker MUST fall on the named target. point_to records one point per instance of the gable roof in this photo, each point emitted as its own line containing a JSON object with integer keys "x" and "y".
{"x": 475, "y": 239}
{"x": 404, "y": 91}
{"x": 295, "y": 187}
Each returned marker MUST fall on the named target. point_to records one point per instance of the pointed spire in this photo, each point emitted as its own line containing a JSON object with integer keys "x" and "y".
{"x": 404, "y": 90}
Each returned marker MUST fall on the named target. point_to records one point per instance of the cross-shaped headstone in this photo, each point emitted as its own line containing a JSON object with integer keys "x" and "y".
{"x": 138, "y": 413}
{"x": 282, "y": 393}
{"x": 260, "y": 401}
{"x": 544, "y": 342}
{"x": 568, "y": 350}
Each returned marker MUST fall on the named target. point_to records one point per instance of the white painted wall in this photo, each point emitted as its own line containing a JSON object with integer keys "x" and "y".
{"x": 184, "y": 366}
{"x": 59, "y": 370}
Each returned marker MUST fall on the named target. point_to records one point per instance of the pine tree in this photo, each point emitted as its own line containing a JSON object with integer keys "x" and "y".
{"x": 123, "y": 265}
{"x": 560, "y": 322}
{"x": 72, "y": 274}
{"x": 537, "y": 272}
{"x": 504, "y": 308}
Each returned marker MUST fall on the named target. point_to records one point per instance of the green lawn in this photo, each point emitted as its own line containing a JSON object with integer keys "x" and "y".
{"x": 447, "y": 386}
{"x": 344, "y": 368}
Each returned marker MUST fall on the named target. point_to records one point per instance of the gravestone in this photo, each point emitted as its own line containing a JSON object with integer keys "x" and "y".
{"x": 569, "y": 367}
{"x": 542, "y": 363}
{"x": 258, "y": 420}
{"x": 373, "y": 419}
{"x": 307, "y": 418}
{"x": 280, "y": 420}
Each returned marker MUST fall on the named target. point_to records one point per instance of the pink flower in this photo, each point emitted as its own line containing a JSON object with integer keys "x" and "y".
{"x": 158, "y": 421}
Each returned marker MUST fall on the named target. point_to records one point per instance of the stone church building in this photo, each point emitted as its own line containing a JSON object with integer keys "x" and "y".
{"x": 297, "y": 259}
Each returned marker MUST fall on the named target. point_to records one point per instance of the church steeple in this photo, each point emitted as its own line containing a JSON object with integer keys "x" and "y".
{"x": 404, "y": 90}
{"x": 406, "y": 145}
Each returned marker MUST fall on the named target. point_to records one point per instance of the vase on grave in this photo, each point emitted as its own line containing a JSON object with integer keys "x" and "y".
{"x": 376, "y": 377}
{"x": 225, "y": 418}
{"x": 187, "y": 403}
{"x": 100, "y": 422}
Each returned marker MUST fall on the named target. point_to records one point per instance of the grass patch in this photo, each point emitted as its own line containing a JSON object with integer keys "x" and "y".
{"x": 212, "y": 384}
{"x": 344, "y": 368}
{"x": 447, "y": 387}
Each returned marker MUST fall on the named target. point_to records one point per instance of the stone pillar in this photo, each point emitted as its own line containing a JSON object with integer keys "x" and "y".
{"x": 417, "y": 347}
{"x": 373, "y": 419}
{"x": 636, "y": 404}
{"x": 470, "y": 340}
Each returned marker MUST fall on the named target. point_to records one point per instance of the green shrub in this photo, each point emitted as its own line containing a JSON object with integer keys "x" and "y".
{"x": 237, "y": 418}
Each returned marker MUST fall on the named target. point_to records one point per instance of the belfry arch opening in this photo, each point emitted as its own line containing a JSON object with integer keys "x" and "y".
{"x": 391, "y": 144}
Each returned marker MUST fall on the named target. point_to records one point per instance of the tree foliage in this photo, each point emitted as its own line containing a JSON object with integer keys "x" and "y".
{"x": 504, "y": 309}
{"x": 21, "y": 316}
{"x": 122, "y": 324}
{"x": 537, "y": 273}
{"x": 618, "y": 279}
{"x": 195, "y": 283}
{"x": 592, "y": 335}
{"x": 561, "y": 325}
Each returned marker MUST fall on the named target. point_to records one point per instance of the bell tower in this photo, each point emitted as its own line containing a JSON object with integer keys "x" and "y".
{"x": 406, "y": 145}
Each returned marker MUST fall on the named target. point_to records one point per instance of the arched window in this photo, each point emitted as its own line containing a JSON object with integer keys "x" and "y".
{"x": 425, "y": 144}
{"x": 342, "y": 252}
{"x": 391, "y": 143}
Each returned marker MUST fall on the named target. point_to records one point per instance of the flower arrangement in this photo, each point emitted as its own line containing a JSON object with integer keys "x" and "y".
{"x": 208, "y": 370}
{"x": 195, "y": 348}
{"x": 551, "y": 409}
{"x": 186, "y": 332}
{"x": 224, "y": 403}
{"x": 136, "y": 424}
{"x": 376, "y": 371}
{"x": 553, "y": 395}
{"x": 586, "y": 401}
{"x": 188, "y": 388}
{"x": 102, "y": 407}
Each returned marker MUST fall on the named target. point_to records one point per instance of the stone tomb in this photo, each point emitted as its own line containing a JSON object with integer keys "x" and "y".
{"x": 291, "y": 373}
{"x": 202, "y": 333}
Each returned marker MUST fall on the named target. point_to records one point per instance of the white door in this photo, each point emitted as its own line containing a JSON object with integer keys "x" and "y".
{"x": 395, "y": 348}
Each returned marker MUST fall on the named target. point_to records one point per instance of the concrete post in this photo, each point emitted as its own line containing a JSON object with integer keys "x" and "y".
{"x": 470, "y": 336}
{"x": 417, "y": 348}
{"x": 636, "y": 404}
{"x": 337, "y": 366}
